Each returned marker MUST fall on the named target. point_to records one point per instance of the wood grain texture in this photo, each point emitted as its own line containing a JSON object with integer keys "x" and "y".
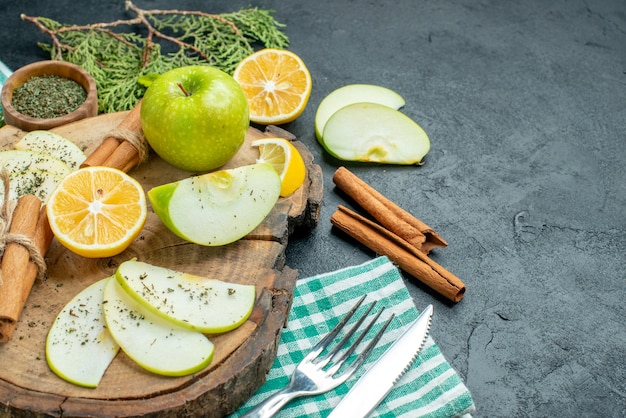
{"x": 29, "y": 389}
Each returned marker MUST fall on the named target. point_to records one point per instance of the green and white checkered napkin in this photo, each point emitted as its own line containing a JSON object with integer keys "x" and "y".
{"x": 430, "y": 388}
{"x": 4, "y": 74}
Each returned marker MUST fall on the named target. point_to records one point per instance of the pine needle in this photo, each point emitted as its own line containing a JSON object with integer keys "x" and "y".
{"x": 118, "y": 59}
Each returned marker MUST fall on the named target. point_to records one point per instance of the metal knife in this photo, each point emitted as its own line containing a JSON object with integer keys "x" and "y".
{"x": 380, "y": 378}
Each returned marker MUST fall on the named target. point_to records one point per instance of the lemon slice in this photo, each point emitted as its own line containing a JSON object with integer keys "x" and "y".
{"x": 276, "y": 83}
{"x": 97, "y": 212}
{"x": 285, "y": 159}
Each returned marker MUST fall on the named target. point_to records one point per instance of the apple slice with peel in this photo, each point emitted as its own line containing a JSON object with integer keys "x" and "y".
{"x": 156, "y": 344}
{"x": 353, "y": 93}
{"x": 40, "y": 183}
{"x": 219, "y": 207}
{"x": 32, "y": 172}
{"x": 53, "y": 144}
{"x": 18, "y": 161}
{"x": 370, "y": 132}
{"x": 207, "y": 305}
{"x": 79, "y": 348}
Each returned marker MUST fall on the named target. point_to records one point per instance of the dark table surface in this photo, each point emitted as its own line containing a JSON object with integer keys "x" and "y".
{"x": 525, "y": 105}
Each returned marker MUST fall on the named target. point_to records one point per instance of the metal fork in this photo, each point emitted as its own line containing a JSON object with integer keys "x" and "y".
{"x": 311, "y": 377}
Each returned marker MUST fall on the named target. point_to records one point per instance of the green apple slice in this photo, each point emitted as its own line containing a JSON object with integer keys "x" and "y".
{"x": 198, "y": 303}
{"x": 156, "y": 344}
{"x": 79, "y": 348}
{"x": 353, "y": 93}
{"x": 37, "y": 182}
{"x": 18, "y": 161}
{"x": 53, "y": 144}
{"x": 219, "y": 207}
{"x": 370, "y": 132}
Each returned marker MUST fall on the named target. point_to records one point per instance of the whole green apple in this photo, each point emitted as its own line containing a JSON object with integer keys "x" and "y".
{"x": 195, "y": 117}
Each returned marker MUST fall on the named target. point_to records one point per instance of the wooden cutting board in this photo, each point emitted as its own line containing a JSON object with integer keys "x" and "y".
{"x": 242, "y": 357}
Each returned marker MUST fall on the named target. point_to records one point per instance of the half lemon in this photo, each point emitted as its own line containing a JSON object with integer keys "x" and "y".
{"x": 285, "y": 159}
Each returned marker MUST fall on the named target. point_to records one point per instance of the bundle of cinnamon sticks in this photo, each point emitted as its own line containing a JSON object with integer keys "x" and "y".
{"x": 400, "y": 236}
{"x": 26, "y": 235}
{"x": 123, "y": 148}
{"x": 25, "y": 242}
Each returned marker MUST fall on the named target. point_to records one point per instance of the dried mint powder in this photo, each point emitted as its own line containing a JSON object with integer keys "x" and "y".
{"x": 48, "y": 97}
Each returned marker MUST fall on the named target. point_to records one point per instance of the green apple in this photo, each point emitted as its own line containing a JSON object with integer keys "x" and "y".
{"x": 53, "y": 144}
{"x": 79, "y": 348}
{"x": 370, "y": 132}
{"x": 195, "y": 117}
{"x": 353, "y": 93}
{"x": 198, "y": 303}
{"x": 156, "y": 344}
{"x": 220, "y": 207}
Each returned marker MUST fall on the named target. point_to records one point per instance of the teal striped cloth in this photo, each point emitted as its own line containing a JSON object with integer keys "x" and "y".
{"x": 430, "y": 388}
{"x": 4, "y": 74}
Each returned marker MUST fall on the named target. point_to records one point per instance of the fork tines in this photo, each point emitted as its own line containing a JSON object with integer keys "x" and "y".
{"x": 335, "y": 354}
{"x": 310, "y": 376}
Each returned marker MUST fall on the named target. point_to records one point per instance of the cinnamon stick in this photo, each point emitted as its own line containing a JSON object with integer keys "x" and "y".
{"x": 18, "y": 268}
{"x": 121, "y": 149}
{"x": 124, "y": 157}
{"x": 42, "y": 239}
{"x": 390, "y": 215}
{"x": 399, "y": 251}
{"x": 100, "y": 154}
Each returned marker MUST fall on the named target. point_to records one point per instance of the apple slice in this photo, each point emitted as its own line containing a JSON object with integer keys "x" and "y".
{"x": 32, "y": 172}
{"x": 198, "y": 303}
{"x": 53, "y": 144}
{"x": 18, "y": 161}
{"x": 156, "y": 344}
{"x": 37, "y": 182}
{"x": 353, "y": 93}
{"x": 370, "y": 132}
{"x": 79, "y": 348}
{"x": 219, "y": 207}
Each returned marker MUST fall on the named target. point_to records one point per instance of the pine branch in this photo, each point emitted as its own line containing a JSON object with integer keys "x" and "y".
{"x": 118, "y": 59}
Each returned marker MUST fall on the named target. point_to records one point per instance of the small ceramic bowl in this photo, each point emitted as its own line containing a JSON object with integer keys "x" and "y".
{"x": 57, "y": 68}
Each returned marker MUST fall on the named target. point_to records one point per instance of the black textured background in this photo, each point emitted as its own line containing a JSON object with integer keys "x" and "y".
{"x": 525, "y": 105}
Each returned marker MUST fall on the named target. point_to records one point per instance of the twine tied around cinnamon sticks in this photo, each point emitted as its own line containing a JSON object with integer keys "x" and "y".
{"x": 124, "y": 147}
{"x": 7, "y": 237}
{"x": 400, "y": 236}
{"x": 25, "y": 231}
{"x": 26, "y": 237}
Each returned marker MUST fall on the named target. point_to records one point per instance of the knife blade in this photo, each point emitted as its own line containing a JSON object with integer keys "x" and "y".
{"x": 380, "y": 378}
